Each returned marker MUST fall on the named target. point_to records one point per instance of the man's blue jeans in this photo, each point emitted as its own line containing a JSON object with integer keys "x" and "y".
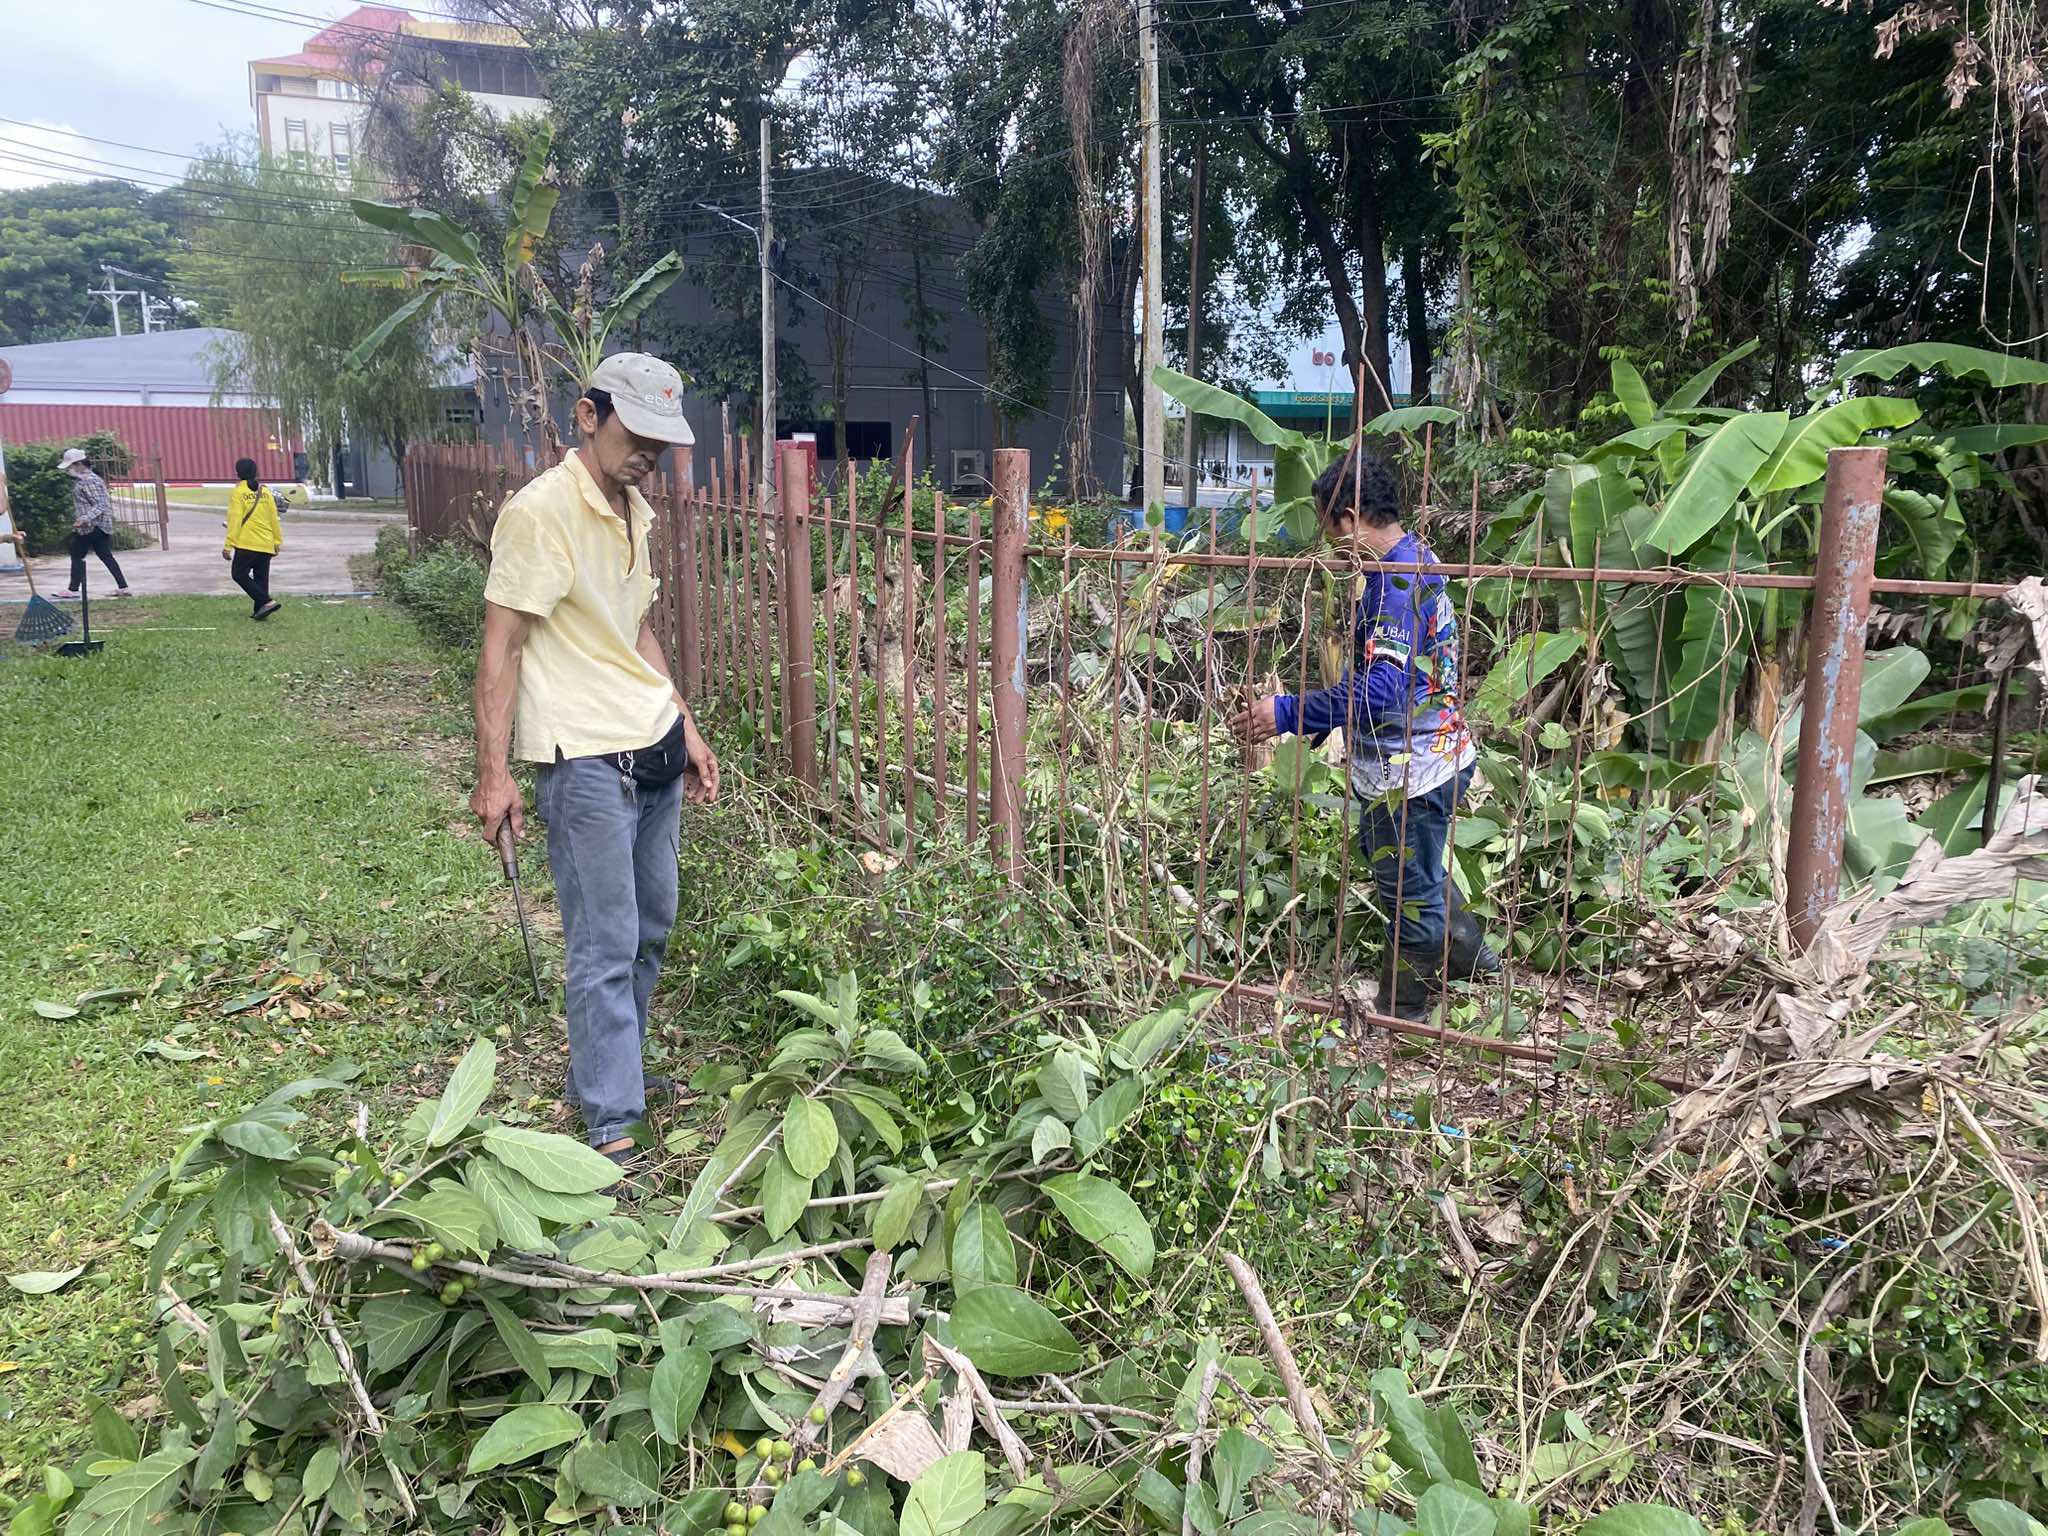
{"x": 1411, "y": 878}
{"x": 613, "y": 853}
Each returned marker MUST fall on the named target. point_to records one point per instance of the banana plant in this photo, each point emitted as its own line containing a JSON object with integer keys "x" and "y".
{"x": 508, "y": 284}
{"x": 1723, "y": 491}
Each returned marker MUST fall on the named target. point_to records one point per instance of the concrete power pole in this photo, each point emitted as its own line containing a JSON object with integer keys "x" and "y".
{"x": 114, "y": 296}
{"x": 1191, "y": 443}
{"x": 767, "y": 239}
{"x": 1152, "y": 437}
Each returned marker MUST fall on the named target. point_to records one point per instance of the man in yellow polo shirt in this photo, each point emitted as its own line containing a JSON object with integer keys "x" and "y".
{"x": 570, "y": 660}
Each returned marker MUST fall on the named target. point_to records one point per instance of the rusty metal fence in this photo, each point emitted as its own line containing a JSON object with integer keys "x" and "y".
{"x": 971, "y": 676}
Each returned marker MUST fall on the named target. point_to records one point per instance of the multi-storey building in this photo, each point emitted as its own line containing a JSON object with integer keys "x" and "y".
{"x": 315, "y": 104}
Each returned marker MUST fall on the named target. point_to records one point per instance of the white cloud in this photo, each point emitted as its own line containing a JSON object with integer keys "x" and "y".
{"x": 43, "y": 152}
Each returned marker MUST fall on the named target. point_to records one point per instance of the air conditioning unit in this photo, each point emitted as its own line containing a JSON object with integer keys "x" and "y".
{"x": 970, "y": 470}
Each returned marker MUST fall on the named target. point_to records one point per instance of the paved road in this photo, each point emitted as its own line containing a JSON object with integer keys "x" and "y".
{"x": 315, "y": 559}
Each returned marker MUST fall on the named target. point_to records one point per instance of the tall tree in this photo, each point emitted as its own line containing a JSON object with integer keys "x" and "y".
{"x": 273, "y": 279}
{"x": 53, "y": 241}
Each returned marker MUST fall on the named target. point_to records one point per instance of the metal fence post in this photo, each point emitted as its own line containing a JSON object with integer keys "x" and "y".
{"x": 1834, "y": 686}
{"x": 800, "y": 625}
{"x": 163, "y": 507}
{"x": 1009, "y": 597}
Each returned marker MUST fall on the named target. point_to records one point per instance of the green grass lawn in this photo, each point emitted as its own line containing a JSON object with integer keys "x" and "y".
{"x": 261, "y": 829}
{"x": 217, "y": 496}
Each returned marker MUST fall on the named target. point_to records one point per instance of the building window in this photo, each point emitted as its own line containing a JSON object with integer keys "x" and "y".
{"x": 295, "y": 138}
{"x": 342, "y": 141}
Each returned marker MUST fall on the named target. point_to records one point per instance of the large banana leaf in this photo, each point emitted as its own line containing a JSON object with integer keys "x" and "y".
{"x": 1992, "y": 439}
{"x": 1716, "y": 636}
{"x": 422, "y": 226}
{"x": 531, "y": 171}
{"x": 1633, "y": 393}
{"x": 522, "y": 240}
{"x": 1694, "y": 390}
{"x": 1802, "y": 454}
{"x": 1410, "y": 418}
{"x": 2001, "y": 370}
{"x": 1638, "y": 443}
{"x": 1934, "y": 526}
{"x": 1208, "y": 400}
{"x": 650, "y": 285}
{"x": 1520, "y": 669}
{"x": 364, "y": 349}
{"x": 1720, "y": 469}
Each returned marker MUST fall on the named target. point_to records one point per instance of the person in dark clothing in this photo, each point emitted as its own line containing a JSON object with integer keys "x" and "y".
{"x": 1411, "y": 755}
{"x": 255, "y": 535}
{"x": 92, "y": 523}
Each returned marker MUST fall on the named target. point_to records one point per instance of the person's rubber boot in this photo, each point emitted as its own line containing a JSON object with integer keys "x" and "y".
{"x": 1407, "y": 982}
{"x": 1467, "y": 953}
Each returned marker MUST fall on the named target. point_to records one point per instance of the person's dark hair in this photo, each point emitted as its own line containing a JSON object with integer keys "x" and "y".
{"x": 601, "y": 402}
{"x": 1362, "y": 474}
{"x": 245, "y": 471}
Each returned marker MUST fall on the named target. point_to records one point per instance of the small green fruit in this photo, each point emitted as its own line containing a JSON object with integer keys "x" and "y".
{"x": 450, "y": 1294}
{"x": 1381, "y": 1461}
{"x": 817, "y": 1414}
{"x": 436, "y": 1253}
{"x": 735, "y": 1512}
{"x": 784, "y": 1450}
{"x": 757, "y": 1514}
{"x": 736, "y": 1529}
{"x": 764, "y": 1448}
{"x": 808, "y": 1464}
{"x": 855, "y": 1477}
{"x": 420, "y": 1259}
{"x": 771, "y": 1474}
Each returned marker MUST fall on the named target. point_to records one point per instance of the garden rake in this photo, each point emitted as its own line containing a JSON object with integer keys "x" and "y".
{"x": 44, "y": 621}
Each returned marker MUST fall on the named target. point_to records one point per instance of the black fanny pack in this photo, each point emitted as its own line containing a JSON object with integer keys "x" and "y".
{"x": 662, "y": 763}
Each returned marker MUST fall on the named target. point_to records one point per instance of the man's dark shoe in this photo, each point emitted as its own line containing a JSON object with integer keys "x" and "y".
{"x": 636, "y": 1174}
{"x": 1468, "y": 955}
{"x": 1407, "y": 982}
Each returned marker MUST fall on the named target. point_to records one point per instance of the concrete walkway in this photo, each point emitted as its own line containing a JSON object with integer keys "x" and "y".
{"x": 316, "y": 554}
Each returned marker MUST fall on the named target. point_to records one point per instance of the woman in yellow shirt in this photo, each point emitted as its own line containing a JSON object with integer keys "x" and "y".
{"x": 254, "y": 535}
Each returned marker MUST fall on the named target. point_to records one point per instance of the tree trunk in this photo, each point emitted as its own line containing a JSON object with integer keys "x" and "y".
{"x": 1372, "y": 274}
{"x": 1421, "y": 356}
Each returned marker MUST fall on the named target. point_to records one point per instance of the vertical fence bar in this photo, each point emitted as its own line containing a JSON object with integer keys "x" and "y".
{"x": 831, "y": 716}
{"x": 1013, "y": 491}
{"x": 800, "y": 624}
{"x": 881, "y": 531}
{"x": 683, "y": 572}
{"x": 973, "y": 665}
{"x": 940, "y": 714}
{"x": 909, "y": 647}
{"x": 853, "y": 638}
{"x": 1834, "y": 685}
{"x": 163, "y": 507}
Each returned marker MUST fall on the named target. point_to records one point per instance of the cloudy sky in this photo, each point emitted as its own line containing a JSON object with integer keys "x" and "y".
{"x": 162, "y": 75}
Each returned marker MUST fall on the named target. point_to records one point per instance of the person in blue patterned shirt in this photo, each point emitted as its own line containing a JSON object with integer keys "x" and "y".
{"x": 1411, "y": 755}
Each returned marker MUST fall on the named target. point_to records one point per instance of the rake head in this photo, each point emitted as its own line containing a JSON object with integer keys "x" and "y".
{"x": 44, "y": 621}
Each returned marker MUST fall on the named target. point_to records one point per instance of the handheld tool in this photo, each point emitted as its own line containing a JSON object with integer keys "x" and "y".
{"x": 509, "y": 853}
{"x": 43, "y": 620}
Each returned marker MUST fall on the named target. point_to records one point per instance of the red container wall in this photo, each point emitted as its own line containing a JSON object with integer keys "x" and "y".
{"x": 194, "y": 442}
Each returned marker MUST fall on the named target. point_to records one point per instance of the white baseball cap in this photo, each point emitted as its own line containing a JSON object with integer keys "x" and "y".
{"x": 647, "y": 394}
{"x": 71, "y": 456}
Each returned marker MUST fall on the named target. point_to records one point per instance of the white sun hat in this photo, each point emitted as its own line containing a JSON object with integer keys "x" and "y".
{"x": 647, "y": 394}
{"x": 71, "y": 456}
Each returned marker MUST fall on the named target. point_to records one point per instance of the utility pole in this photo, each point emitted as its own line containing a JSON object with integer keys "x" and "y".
{"x": 767, "y": 239}
{"x": 1152, "y": 438}
{"x": 1190, "y": 438}
{"x": 114, "y": 296}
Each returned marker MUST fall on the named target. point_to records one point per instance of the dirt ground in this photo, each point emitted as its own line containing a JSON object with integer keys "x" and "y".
{"x": 317, "y": 550}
